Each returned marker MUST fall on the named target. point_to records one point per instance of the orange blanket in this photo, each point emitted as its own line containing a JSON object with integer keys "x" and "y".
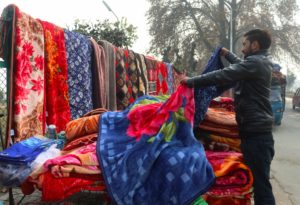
{"x": 221, "y": 117}
{"x": 82, "y": 126}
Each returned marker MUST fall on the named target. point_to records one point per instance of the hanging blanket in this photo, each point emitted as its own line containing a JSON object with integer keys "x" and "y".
{"x": 204, "y": 95}
{"x": 7, "y": 45}
{"x": 79, "y": 53}
{"x": 110, "y": 74}
{"x": 126, "y": 78}
{"x": 56, "y": 77}
{"x": 162, "y": 79}
{"x": 149, "y": 155}
{"x": 151, "y": 75}
{"x": 98, "y": 76}
{"x": 170, "y": 78}
{"x": 142, "y": 71}
{"x": 29, "y": 113}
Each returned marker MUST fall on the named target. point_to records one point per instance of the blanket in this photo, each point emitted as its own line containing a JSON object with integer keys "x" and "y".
{"x": 28, "y": 77}
{"x": 79, "y": 61}
{"x": 204, "y": 95}
{"x": 15, "y": 161}
{"x": 234, "y": 178}
{"x": 148, "y": 153}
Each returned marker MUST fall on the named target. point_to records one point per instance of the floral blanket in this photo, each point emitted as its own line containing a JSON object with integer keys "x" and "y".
{"x": 148, "y": 152}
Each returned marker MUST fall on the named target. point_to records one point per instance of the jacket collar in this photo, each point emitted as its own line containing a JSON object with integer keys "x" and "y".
{"x": 260, "y": 52}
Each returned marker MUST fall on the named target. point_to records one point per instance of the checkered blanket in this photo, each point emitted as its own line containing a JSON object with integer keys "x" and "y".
{"x": 148, "y": 152}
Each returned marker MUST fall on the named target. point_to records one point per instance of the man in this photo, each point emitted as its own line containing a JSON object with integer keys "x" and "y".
{"x": 253, "y": 110}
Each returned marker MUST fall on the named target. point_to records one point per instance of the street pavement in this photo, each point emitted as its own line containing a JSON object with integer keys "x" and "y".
{"x": 281, "y": 197}
{"x": 286, "y": 164}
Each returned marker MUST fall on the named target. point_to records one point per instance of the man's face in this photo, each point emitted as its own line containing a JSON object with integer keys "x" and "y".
{"x": 247, "y": 48}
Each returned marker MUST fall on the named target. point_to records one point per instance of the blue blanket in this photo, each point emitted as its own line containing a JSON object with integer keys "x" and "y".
{"x": 148, "y": 152}
{"x": 79, "y": 56}
{"x": 204, "y": 95}
{"x": 15, "y": 161}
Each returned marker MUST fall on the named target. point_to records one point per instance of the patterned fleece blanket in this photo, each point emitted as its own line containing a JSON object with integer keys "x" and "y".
{"x": 204, "y": 95}
{"x": 148, "y": 152}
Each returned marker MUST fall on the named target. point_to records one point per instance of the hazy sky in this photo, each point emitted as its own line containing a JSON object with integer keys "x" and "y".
{"x": 64, "y": 12}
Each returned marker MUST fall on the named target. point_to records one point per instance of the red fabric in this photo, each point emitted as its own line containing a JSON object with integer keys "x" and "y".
{"x": 225, "y": 103}
{"x": 148, "y": 119}
{"x": 214, "y": 200}
{"x": 57, "y": 98}
{"x": 162, "y": 78}
{"x": 81, "y": 141}
{"x": 28, "y": 77}
{"x": 234, "y": 178}
{"x": 55, "y": 189}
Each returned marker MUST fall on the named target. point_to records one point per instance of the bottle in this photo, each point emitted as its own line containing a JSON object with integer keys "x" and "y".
{"x": 52, "y": 131}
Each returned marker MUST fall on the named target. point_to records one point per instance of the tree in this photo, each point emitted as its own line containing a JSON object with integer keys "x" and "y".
{"x": 120, "y": 33}
{"x": 180, "y": 23}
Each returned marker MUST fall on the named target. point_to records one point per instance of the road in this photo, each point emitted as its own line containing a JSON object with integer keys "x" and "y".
{"x": 285, "y": 167}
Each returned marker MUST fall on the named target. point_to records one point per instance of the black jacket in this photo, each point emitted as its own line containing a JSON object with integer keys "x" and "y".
{"x": 253, "y": 79}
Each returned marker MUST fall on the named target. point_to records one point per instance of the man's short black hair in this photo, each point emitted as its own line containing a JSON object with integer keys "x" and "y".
{"x": 263, "y": 37}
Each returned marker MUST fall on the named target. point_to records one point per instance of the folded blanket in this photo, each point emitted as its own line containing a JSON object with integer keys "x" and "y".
{"x": 81, "y": 127}
{"x": 150, "y": 146}
{"x": 224, "y": 103}
{"x": 221, "y": 117}
{"x": 66, "y": 187}
{"x": 15, "y": 161}
{"x": 215, "y": 200}
{"x": 81, "y": 141}
{"x": 234, "y": 178}
{"x": 219, "y": 129}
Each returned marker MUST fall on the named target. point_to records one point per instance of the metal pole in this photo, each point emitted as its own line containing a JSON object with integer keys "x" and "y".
{"x": 109, "y": 9}
{"x": 231, "y": 27}
{"x": 230, "y": 91}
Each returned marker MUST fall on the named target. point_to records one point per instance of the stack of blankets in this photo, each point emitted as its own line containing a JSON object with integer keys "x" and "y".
{"x": 76, "y": 169}
{"x": 16, "y": 162}
{"x": 219, "y": 134}
{"x": 219, "y": 128}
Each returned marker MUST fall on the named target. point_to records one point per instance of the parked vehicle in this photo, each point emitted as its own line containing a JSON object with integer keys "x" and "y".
{"x": 296, "y": 99}
{"x": 277, "y": 95}
{"x": 277, "y": 104}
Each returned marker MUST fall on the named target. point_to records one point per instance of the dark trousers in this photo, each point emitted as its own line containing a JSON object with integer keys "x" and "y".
{"x": 258, "y": 151}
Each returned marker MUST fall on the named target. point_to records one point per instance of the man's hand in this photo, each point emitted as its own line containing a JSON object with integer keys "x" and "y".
{"x": 224, "y": 51}
{"x": 184, "y": 81}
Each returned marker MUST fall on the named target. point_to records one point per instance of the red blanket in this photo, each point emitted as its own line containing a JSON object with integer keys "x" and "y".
{"x": 234, "y": 178}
